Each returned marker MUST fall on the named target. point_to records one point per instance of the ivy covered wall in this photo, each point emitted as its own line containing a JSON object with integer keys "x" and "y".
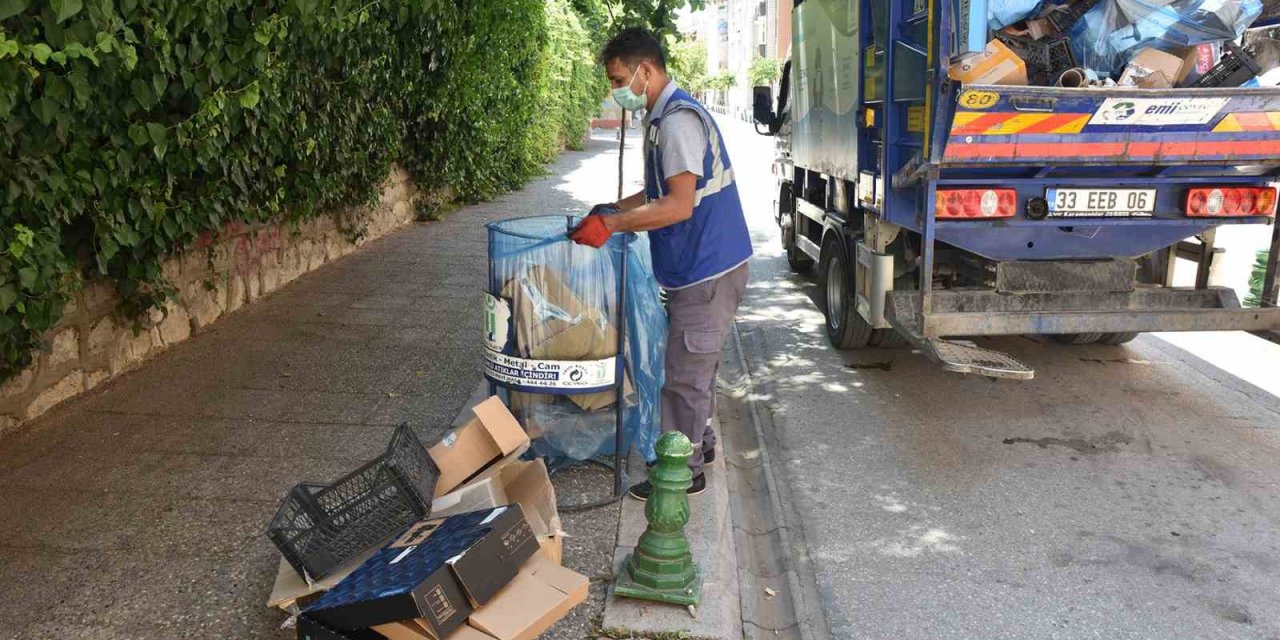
{"x": 132, "y": 127}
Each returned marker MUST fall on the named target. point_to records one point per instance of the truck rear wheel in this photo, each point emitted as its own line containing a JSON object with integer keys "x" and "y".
{"x": 1076, "y": 338}
{"x": 1116, "y": 339}
{"x": 845, "y": 328}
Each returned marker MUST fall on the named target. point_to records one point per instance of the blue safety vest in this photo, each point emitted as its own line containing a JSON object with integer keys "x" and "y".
{"x": 714, "y": 240}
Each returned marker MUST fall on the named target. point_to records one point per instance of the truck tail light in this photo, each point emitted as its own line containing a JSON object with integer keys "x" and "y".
{"x": 975, "y": 204}
{"x": 1226, "y": 202}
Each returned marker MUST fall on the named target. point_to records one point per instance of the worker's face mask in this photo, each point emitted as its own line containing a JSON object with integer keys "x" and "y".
{"x": 629, "y": 100}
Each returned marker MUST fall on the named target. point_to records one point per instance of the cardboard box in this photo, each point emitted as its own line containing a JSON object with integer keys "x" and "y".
{"x": 434, "y": 571}
{"x": 414, "y": 630}
{"x": 310, "y": 629}
{"x": 1153, "y": 69}
{"x": 522, "y": 482}
{"x": 998, "y": 64}
{"x": 290, "y": 588}
{"x": 543, "y": 593}
{"x": 487, "y": 437}
{"x": 1197, "y": 61}
{"x": 507, "y": 481}
{"x": 553, "y": 324}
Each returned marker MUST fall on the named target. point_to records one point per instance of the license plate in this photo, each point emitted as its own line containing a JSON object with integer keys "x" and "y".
{"x": 1101, "y": 203}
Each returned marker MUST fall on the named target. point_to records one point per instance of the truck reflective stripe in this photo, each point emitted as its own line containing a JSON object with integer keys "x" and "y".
{"x": 1252, "y": 121}
{"x": 957, "y": 149}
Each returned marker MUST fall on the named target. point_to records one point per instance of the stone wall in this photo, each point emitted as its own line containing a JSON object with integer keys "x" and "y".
{"x": 215, "y": 277}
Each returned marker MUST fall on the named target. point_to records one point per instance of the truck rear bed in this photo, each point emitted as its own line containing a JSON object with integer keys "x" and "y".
{"x": 1043, "y": 125}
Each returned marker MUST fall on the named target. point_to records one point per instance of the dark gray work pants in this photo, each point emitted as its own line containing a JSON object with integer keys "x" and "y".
{"x": 700, "y": 318}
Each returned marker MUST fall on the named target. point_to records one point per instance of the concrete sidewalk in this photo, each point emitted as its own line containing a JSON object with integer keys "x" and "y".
{"x": 139, "y": 511}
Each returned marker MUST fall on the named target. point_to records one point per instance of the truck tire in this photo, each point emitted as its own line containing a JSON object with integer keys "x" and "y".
{"x": 845, "y": 328}
{"x": 887, "y": 339}
{"x": 798, "y": 260}
{"x": 1076, "y": 338}
{"x": 1116, "y": 339}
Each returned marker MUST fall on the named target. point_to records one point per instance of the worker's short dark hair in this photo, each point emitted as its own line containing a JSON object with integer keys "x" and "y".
{"x": 632, "y": 46}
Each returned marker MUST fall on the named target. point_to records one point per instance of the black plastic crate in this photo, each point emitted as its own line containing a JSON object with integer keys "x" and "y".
{"x": 320, "y": 526}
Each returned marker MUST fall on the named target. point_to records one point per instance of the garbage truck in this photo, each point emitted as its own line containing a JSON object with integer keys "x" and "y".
{"x": 939, "y": 209}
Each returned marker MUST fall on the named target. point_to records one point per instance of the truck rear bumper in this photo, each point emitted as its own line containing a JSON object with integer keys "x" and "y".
{"x": 988, "y": 313}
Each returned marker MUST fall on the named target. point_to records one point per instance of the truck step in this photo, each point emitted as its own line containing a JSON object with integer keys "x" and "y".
{"x": 954, "y": 355}
{"x": 966, "y": 357}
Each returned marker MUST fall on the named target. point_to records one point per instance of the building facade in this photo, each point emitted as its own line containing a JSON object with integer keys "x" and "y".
{"x": 737, "y": 32}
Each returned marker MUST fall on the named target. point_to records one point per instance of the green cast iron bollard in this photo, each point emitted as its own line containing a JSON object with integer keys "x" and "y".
{"x": 662, "y": 568}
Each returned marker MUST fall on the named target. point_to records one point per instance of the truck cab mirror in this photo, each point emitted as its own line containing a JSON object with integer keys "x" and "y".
{"x": 762, "y": 107}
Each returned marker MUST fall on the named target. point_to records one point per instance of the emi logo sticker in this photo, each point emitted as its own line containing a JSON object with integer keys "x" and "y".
{"x": 1157, "y": 112}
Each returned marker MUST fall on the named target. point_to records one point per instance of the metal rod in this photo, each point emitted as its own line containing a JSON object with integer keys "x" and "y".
{"x": 1270, "y": 287}
{"x": 926, "y": 258}
{"x": 622, "y": 148}
{"x": 1206, "y": 258}
{"x": 619, "y": 478}
{"x": 495, "y": 290}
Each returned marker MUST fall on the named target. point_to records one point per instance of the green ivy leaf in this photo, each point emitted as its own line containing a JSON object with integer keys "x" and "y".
{"x": 8, "y": 296}
{"x": 106, "y": 42}
{"x": 107, "y": 249}
{"x": 45, "y": 110}
{"x": 64, "y": 9}
{"x": 40, "y": 52}
{"x": 249, "y": 97}
{"x": 27, "y": 277}
{"x": 7, "y": 47}
{"x": 130, "y": 57}
{"x": 11, "y": 8}
{"x": 160, "y": 137}
{"x": 137, "y": 134}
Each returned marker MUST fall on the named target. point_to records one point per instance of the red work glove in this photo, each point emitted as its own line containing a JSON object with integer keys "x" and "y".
{"x": 593, "y": 232}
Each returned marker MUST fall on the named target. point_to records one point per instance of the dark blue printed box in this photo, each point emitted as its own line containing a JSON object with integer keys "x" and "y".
{"x": 437, "y": 571}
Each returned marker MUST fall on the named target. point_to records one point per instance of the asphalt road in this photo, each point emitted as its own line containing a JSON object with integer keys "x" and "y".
{"x": 1126, "y": 492}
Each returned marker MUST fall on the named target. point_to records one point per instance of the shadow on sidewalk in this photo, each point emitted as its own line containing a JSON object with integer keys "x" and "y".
{"x": 139, "y": 510}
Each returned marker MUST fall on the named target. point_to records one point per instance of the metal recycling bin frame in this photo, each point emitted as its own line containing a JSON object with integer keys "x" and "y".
{"x": 493, "y": 288}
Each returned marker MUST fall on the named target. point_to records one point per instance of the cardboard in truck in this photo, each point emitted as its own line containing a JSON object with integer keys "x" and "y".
{"x": 1197, "y": 61}
{"x": 1152, "y": 69}
{"x": 998, "y": 64}
{"x": 489, "y": 436}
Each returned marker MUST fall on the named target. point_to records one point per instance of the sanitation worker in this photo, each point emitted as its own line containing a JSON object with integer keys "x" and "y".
{"x": 697, "y": 234}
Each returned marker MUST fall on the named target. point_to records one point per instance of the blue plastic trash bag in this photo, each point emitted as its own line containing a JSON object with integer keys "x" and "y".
{"x": 559, "y": 307}
{"x": 1111, "y": 33}
{"x": 1002, "y": 13}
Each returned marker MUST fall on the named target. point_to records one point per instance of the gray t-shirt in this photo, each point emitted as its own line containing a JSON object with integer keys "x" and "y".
{"x": 683, "y": 141}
